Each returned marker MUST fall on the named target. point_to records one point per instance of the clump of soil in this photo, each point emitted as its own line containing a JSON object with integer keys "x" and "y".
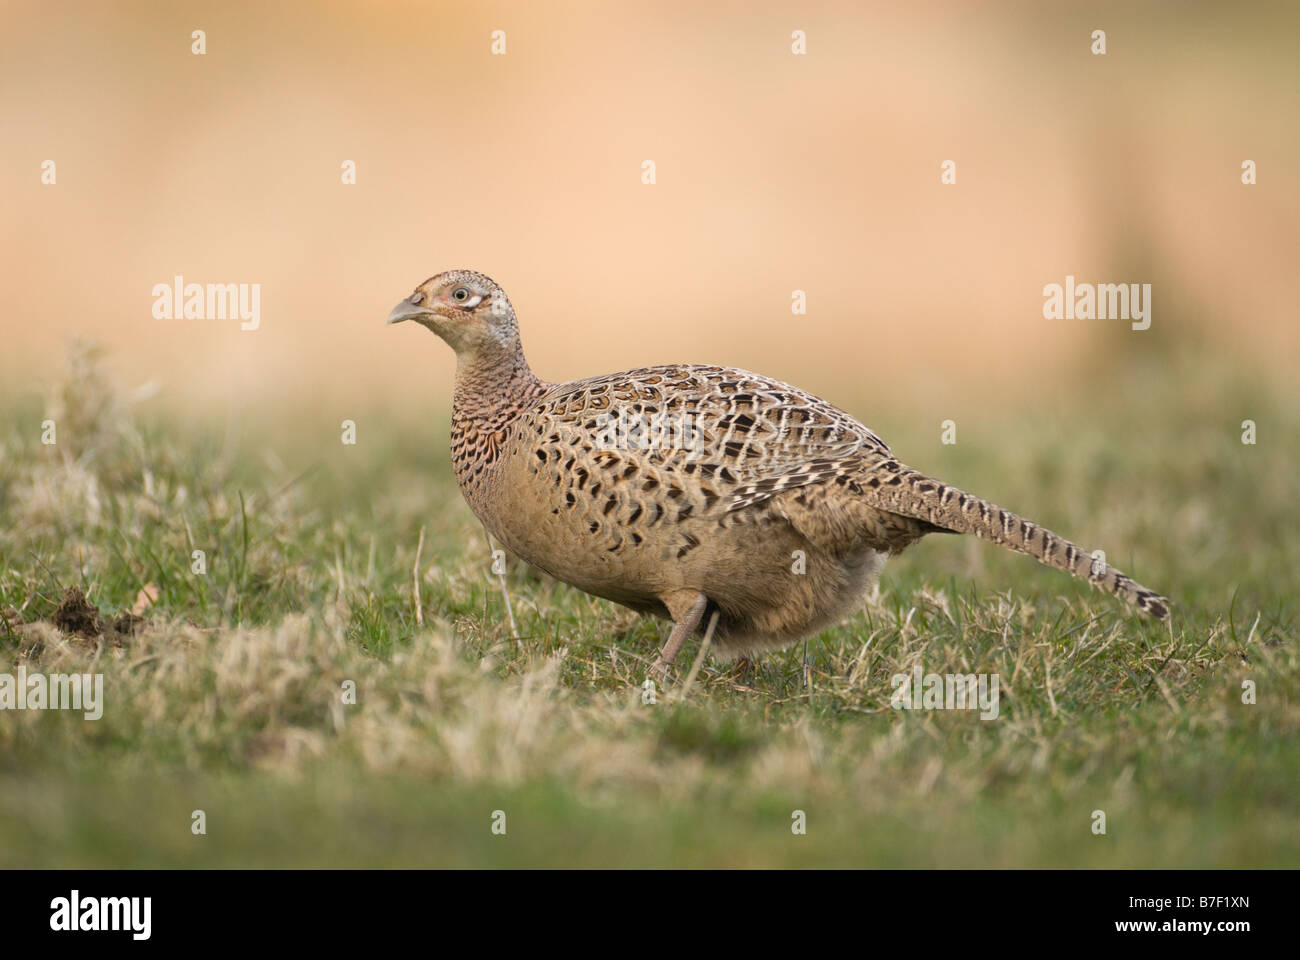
{"x": 129, "y": 624}
{"x": 77, "y": 617}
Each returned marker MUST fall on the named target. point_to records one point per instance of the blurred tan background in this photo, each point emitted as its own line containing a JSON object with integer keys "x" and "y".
{"x": 775, "y": 172}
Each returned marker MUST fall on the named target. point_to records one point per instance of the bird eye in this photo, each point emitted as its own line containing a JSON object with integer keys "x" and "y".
{"x": 461, "y": 294}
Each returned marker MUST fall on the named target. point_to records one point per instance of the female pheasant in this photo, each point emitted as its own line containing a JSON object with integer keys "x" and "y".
{"x": 685, "y": 489}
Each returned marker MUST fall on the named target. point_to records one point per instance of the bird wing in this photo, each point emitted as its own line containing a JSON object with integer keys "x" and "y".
{"x": 734, "y": 437}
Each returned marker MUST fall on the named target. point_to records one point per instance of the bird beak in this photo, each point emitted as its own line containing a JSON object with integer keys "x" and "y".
{"x": 407, "y": 309}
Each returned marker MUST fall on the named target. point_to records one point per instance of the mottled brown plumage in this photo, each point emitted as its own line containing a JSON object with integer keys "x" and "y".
{"x": 686, "y": 490}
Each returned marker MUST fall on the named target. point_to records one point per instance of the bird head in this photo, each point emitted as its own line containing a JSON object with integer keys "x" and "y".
{"x": 468, "y": 310}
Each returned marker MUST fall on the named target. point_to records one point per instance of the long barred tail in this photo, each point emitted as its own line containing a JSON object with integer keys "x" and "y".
{"x": 892, "y": 486}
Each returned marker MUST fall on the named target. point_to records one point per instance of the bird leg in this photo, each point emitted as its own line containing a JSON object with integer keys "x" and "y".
{"x": 699, "y": 657}
{"x": 682, "y": 629}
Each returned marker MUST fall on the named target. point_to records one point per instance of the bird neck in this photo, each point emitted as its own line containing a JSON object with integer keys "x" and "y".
{"x": 492, "y": 384}
{"x": 493, "y": 387}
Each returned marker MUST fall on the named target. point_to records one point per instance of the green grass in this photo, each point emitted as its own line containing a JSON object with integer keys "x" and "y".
{"x": 230, "y": 700}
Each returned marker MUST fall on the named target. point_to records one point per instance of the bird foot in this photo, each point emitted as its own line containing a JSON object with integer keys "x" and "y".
{"x": 659, "y": 671}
